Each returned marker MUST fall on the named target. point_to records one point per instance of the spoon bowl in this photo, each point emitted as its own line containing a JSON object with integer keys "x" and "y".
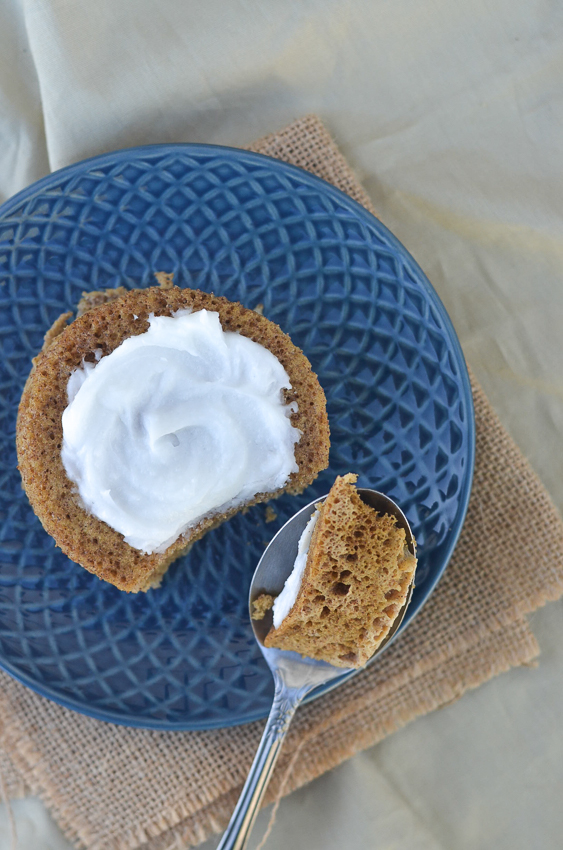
{"x": 294, "y": 676}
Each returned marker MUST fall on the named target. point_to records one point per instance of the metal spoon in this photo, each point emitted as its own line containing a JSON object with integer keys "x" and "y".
{"x": 294, "y": 676}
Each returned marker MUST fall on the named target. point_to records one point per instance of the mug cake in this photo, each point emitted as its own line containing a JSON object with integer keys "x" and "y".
{"x": 156, "y": 415}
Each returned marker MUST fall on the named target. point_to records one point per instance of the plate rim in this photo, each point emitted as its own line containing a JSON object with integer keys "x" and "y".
{"x": 370, "y": 219}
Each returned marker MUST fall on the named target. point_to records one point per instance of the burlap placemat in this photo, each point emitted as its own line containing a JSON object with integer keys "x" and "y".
{"x": 112, "y": 788}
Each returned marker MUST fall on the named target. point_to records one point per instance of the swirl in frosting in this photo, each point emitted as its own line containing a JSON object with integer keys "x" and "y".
{"x": 180, "y": 422}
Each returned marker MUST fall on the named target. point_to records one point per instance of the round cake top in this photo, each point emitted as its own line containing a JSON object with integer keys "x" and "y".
{"x": 100, "y": 331}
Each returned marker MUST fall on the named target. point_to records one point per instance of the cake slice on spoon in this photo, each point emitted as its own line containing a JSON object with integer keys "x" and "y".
{"x": 351, "y": 577}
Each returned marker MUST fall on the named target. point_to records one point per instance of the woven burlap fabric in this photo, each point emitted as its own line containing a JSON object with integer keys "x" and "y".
{"x": 115, "y": 788}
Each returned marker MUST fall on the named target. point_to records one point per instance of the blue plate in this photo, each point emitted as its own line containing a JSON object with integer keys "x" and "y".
{"x": 399, "y": 402}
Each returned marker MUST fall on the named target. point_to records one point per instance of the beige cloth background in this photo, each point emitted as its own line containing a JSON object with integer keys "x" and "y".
{"x": 452, "y": 116}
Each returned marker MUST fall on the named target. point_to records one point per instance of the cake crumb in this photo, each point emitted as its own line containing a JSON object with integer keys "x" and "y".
{"x": 165, "y": 279}
{"x": 259, "y": 309}
{"x": 260, "y": 605}
{"x": 271, "y": 515}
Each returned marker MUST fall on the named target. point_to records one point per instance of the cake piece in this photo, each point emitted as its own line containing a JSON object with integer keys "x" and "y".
{"x": 73, "y": 355}
{"x": 356, "y": 571}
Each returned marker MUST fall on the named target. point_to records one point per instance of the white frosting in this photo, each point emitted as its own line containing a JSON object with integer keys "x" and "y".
{"x": 286, "y": 600}
{"x": 177, "y": 423}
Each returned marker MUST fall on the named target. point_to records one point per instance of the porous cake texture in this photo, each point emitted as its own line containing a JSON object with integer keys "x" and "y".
{"x": 105, "y": 320}
{"x": 356, "y": 580}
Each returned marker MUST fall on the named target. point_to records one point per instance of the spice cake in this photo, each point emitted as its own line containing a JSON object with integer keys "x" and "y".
{"x": 355, "y": 580}
{"x": 105, "y": 321}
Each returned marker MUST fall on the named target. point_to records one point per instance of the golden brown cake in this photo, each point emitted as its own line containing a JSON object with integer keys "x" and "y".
{"x": 104, "y": 322}
{"x": 356, "y": 580}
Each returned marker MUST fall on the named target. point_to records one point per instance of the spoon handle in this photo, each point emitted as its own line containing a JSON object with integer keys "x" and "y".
{"x": 286, "y": 700}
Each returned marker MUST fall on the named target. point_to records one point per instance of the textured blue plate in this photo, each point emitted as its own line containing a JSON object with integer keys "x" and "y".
{"x": 399, "y": 403}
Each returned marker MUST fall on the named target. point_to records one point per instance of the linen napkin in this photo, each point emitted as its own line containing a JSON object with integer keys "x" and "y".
{"x": 114, "y": 788}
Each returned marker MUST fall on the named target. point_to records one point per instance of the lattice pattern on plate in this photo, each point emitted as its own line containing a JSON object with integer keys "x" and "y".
{"x": 257, "y": 231}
